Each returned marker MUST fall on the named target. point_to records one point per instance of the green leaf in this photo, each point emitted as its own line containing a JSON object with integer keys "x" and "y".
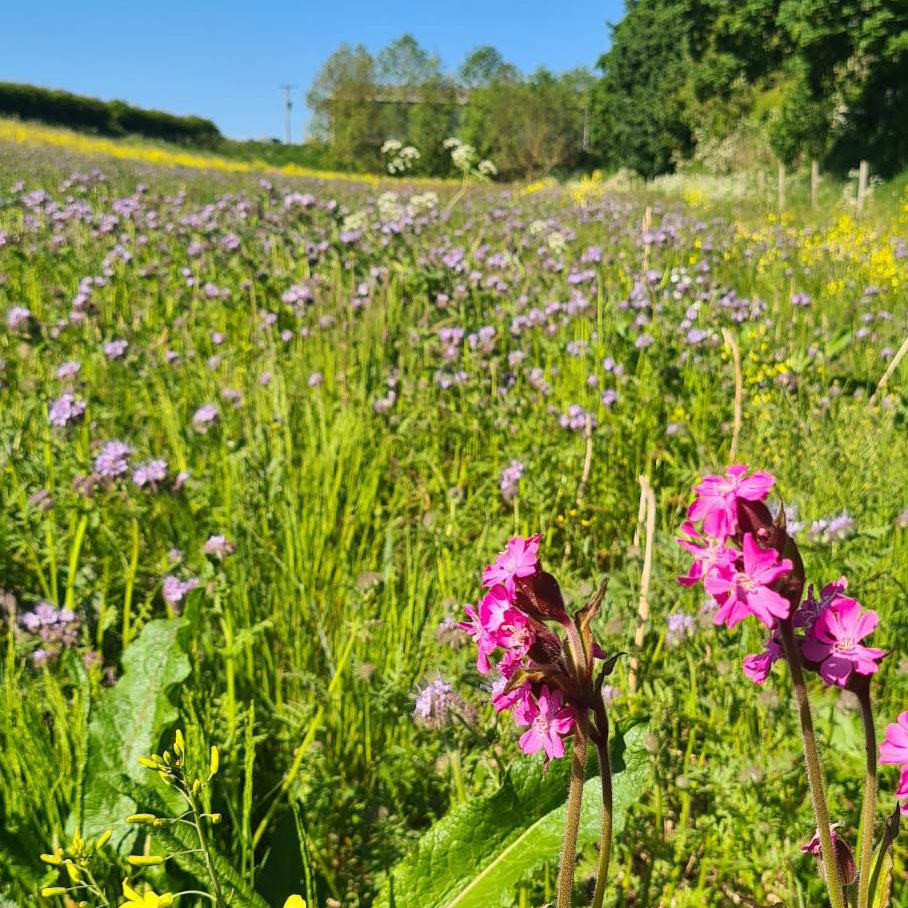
{"x": 475, "y": 856}
{"x": 881, "y": 878}
{"x": 127, "y": 724}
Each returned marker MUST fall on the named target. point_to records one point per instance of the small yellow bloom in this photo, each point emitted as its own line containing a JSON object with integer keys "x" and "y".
{"x": 148, "y": 900}
{"x": 49, "y": 891}
{"x": 295, "y": 901}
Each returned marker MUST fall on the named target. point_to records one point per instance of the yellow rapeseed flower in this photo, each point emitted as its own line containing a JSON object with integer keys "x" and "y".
{"x": 295, "y": 901}
{"x": 149, "y": 899}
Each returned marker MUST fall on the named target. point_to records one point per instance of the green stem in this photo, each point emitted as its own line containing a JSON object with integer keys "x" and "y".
{"x": 572, "y": 819}
{"x": 457, "y": 775}
{"x": 203, "y": 842}
{"x": 605, "y": 775}
{"x": 814, "y": 770}
{"x": 868, "y": 810}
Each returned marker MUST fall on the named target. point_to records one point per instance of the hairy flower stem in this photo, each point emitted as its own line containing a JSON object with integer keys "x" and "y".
{"x": 572, "y": 819}
{"x": 814, "y": 770}
{"x": 605, "y": 776}
{"x": 868, "y": 810}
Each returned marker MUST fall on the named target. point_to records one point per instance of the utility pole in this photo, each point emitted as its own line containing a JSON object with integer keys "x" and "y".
{"x": 288, "y": 106}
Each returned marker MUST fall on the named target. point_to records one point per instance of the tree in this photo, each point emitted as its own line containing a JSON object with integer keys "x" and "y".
{"x": 639, "y": 116}
{"x": 483, "y": 66}
{"x": 342, "y": 99}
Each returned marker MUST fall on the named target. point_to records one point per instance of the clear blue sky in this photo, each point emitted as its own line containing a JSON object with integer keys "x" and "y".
{"x": 225, "y": 60}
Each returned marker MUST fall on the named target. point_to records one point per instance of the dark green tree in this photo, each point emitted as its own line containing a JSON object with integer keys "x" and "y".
{"x": 638, "y": 115}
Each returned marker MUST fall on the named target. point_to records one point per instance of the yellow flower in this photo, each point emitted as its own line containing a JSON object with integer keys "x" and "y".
{"x": 148, "y": 900}
{"x": 295, "y": 901}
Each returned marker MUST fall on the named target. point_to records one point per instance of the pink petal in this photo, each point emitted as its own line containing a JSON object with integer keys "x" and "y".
{"x": 554, "y": 747}
{"x": 755, "y": 487}
{"x": 835, "y": 670}
{"x": 531, "y": 741}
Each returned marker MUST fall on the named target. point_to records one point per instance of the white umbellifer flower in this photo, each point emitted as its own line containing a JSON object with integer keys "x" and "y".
{"x": 556, "y": 241}
{"x": 357, "y": 220}
{"x": 463, "y": 156}
{"x": 403, "y": 156}
{"x": 424, "y": 202}
{"x": 486, "y": 169}
{"x": 389, "y": 208}
{"x": 536, "y": 227}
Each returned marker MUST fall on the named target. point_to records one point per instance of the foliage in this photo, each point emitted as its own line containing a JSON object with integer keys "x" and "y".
{"x": 358, "y": 473}
{"x": 477, "y": 854}
{"x": 682, "y": 69}
{"x": 126, "y": 725}
{"x": 64, "y": 108}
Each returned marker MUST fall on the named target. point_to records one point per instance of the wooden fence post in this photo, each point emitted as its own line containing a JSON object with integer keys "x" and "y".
{"x": 781, "y": 186}
{"x": 814, "y": 182}
{"x": 862, "y": 186}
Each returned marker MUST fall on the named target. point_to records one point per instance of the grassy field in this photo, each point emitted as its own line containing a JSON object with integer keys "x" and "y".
{"x": 336, "y": 379}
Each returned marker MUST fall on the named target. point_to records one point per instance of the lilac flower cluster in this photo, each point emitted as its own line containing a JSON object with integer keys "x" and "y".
{"x": 56, "y": 628}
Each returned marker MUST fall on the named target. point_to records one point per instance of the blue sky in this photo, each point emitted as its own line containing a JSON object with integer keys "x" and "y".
{"x": 225, "y": 59}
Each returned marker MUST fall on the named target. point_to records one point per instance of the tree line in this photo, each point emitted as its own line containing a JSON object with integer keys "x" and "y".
{"x": 111, "y": 118}
{"x": 723, "y": 86}
{"x": 528, "y": 125}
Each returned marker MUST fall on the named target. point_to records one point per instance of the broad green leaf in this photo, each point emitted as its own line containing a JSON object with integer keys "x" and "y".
{"x": 127, "y": 724}
{"x": 475, "y": 856}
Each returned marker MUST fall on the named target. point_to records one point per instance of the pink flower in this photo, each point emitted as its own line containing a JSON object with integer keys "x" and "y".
{"x": 894, "y": 748}
{"x": 485, "y": 642}
{"x": 519, "y": 559}
{"x": 813, "y": 846}
{"x": 743, "y": 592}
{"x": 902, "y": 790}
{"x": 716, "y": 504}
{"x": 709, "y": 554}
{"x": 757, "y": 666}
{"x": 502, "y": 699}
{"x": 494, "y": 607}
{"x": 515, "y": 633}
{"x": 549, "y": 719}
{"x": 835, "y": 641}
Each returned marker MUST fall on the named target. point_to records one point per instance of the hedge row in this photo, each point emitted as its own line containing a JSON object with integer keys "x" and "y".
{"x": 29, "y": 102}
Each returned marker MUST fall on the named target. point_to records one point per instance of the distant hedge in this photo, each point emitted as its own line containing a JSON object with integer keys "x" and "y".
{"x": 63, "y": 108}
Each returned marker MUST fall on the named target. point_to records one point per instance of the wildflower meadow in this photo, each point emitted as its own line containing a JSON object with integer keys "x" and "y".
{"x": 447, "y": 544}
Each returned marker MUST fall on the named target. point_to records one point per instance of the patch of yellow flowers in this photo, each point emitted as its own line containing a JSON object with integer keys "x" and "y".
{"x": 36, "y": 134}
{"x": 866, "y": 251}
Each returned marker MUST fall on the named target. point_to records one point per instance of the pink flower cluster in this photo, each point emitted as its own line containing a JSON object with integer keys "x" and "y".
{"x": 743, "y": 568}
{"x": 894, "y": 749}
{"x": 497, "y": 623}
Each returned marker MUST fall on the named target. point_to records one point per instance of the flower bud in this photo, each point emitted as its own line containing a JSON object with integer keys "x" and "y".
{"x": 215, "y": 762}
{"x": 143, "y": 818}
{"x": 539, "y": 596}
{"x": 51, "y": 858}
{"x": 104, "y": 838}
{"x": 50, "y": 891}
{"x": 145, "y": 860}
